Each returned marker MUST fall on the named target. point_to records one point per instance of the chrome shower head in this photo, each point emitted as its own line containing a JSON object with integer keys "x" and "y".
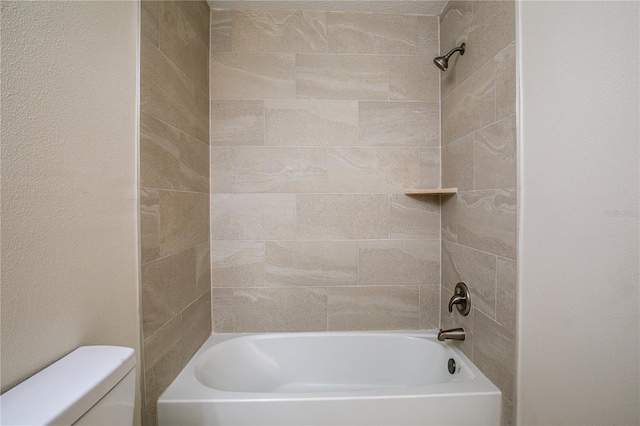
{"x": 442, "y": 62}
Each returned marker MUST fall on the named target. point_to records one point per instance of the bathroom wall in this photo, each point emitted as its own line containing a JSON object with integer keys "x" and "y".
{"x": 319, "y": 121}
{"x": 479, "y": 158}
{"x": 69, "y": 182}
{"x": 174, "y": 189}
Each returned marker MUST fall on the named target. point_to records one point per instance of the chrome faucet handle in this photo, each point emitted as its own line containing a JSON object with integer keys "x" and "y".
{"x": 461, "y": 298}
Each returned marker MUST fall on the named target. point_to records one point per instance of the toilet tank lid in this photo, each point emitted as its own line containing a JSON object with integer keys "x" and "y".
{"x": 68, "y": 388}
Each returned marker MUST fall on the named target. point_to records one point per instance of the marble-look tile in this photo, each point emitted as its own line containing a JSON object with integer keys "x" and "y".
{"x": 487, "y": 221}
{"x": 508, "y": 414}
{"x": 171, "y": 159}
{"x": 168, "y": 286}
{"x": 448, "y": 78}
{"x": 197, "y": 14}
{"x": 495, "y": 155}
{"x": 280, "y": 309}
{"x": 342, "y": 216}
{"x": 430, "y": 168}
{"x": 196, "y": 326}
{"x": 164, "y": 363}
{"x": 150, "y": 20}
{"x": 274, "y": 169}
{"x": 414, "y": 218}
{"x": 202, "y": 117}
{"x": 220, "y": 30}
{"x": 471, "y": 106}
{"x": 203, "y": 268}
{"x": 449, "y": 217}
{"x": 506, "y": 293}
{"x": 165, "y": 339}
{"x": 349, "y": 32}
{"x": 253, "y": 216}
{"x": 428, "y": 36}
{"x": 476, "y": 269}
{"x": 253, "y": 76}
{"x": 151, "y": 416}
{"x": 494, "y": 353}
{"x": 149, "y": 224}
{"x": 237, "y": 263}
{"x": 454, "y": 319}
{"x": 304, "y": 122}
{"x": 397, "y": 262}
{"x": 184, "y": 220}
{"x": 348, "y": 77}
{"x": 237, "y": 123}
{"x": 373, "y": 308}
{"x": 405, "y": 124}
{"x": 372, "y": 170}
{"x": 506, "y": 82}
{"x": 221, "y": 169}
{"x": 279, "y": 31}
{"x": 413, "y": 78}
{"x": 457, "y": 164}
{"x": 182, "y": 45}
{"x": 453, "y": 19}
{"x": 429, "y": 307}
{"x": 222, "y": 310}
{"x": 311, "y": 263}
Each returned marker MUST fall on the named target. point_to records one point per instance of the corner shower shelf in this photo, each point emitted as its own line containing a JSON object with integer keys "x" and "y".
{"x": 440, "y": 191}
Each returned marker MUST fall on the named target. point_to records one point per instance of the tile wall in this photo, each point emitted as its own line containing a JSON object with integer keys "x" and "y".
{"x": 319, "y": 121}
{"x": 479, "y": 158}
{"x": 174, "y": 189}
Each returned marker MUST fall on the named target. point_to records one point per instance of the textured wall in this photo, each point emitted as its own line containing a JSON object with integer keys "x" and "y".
{"x": 174, "y": 174}
{"x": 479, "y": 158}
{"x": 69, "y": 209}
{"x": 319, "y": 120}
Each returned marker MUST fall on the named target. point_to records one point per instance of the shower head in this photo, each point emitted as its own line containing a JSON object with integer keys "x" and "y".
{"x": 442, "y": 62}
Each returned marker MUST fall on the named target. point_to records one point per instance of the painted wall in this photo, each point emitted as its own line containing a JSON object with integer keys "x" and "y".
{"x": 479, "y": 158}
{"x": 579, "y": 360}
{"x": 69, "y": 172}
{"x": 319, "y": 121}
{"x": 174, "y": 189}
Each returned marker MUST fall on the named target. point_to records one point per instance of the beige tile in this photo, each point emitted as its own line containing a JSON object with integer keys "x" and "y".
{"x": 237, "y": 263}
{"x": 487, "y": 221}
{"x": 449, "y": 217}
{"x": 495, "y": 155}
{"x": 202, "y": 116}
{"x": 253, "y": 216}
{"x": 279, "y": 31}
{"x": 253, "y": 76}
{"x": 164, "y": 340}
{"x": 506, "y": 82}
{"x": 342, "y": 216}
{"x": 508, "y": 413}
{"x": 448, "y": 78}
{"x": 168, "y": 286}
{"x": 494, "y": 353}
{"x": 349, "y": 32}
{"x": 149, "y": 224}
{"x": 222, "y": 310}
{"x": 373, "y": 308}
{"x": 453, "y": 320}
{"x": 220, "y": 30}
{"x": 171, "y": 159}
{"x": 414, "y": 218}
{"x": 406, "y": 124}
{"x": 430, "y": 168}
{"x": 237, "y": 123}
{"x": 428, "y": 37}
{"x": 203, "y": 268}
{"x": 471, "y": 106}
{"x": 271, "y": 169}
{"x": 182, "y": 45}
{"x": 196, "y": 326}
{"x": 221, "y": 169}
{"x": 311, "y": 263}
{"x": 429, "y": 307}
{"x": 151, "y": 418}
{"x": 506, "y": 294}
{"x": 150, "y": 20}
{"x": 197, "y": 14}
{"x": 476, "y": 269}
{"x": 348, "y": 77}
{"x": 413, "y": 78}
{"x": 453, "y": 19}
{"x": 184, "y": 220}
{"x": 457, "y": 164}
{"x": 372, "y": 170}
{"x": 280, "y": 309}
{"x": 158, "y": 376}
{"x": 303, "y": 122}
{"x": 403, "y": 263}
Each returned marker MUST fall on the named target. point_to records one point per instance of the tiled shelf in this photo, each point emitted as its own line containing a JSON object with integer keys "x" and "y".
{"x": 431, "y": 191}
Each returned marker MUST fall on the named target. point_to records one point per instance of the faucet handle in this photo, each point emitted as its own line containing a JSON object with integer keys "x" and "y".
{"x": 461, "y": 298}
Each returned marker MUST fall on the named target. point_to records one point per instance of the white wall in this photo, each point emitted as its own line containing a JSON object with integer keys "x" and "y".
{"x": 69, "y": 181}
{"x": 579, "y": 317}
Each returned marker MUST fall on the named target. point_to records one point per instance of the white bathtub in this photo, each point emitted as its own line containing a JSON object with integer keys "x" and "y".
{"x": 329, "y": 379}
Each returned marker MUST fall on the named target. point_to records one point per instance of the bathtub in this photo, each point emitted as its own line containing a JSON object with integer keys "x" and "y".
{"x": 329, "y": 379}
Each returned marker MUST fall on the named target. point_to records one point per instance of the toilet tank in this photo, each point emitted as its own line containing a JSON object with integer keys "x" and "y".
{"x": 93, "y": 385}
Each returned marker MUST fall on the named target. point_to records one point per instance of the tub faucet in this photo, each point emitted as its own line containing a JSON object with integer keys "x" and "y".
{"x": 452, "y": 334}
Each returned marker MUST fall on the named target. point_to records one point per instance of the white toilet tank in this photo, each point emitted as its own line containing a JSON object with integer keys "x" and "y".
{"x": 93, "y": 385}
